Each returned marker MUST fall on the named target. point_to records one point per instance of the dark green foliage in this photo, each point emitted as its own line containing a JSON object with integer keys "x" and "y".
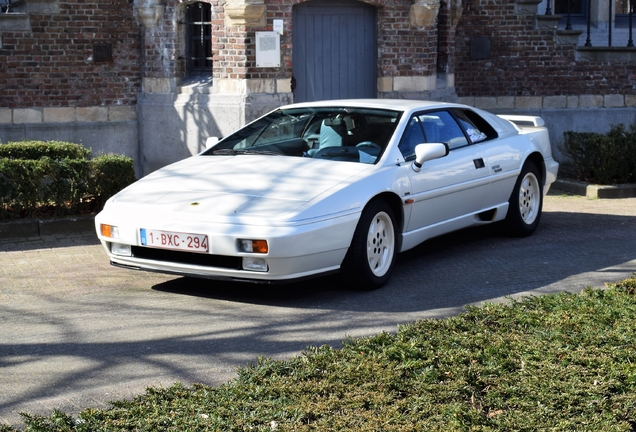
{"x": 34, "y": 150}
{"x": 110, "y": 174}
{"x": 560, "y": 362}
{"x": 20, "y": 186}
{"x": 603, "y": 159}
{"x": 58, "y": 179}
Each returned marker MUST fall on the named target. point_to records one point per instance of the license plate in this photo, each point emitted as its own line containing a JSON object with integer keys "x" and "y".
{"x": 174, "y": 240}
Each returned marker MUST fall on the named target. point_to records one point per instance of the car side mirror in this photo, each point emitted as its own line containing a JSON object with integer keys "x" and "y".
{"x": 427, "y": 152}
{"x": 211, "y": 142}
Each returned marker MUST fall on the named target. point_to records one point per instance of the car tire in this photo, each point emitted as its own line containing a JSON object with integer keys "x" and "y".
{"x": 371, "y": 257}
{"x": 526, "y": 202}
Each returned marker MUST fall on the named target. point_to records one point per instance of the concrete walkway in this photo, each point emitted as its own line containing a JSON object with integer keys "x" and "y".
{"x": 76, "y": 332}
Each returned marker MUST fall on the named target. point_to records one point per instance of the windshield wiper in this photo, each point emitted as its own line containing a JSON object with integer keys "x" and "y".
{"x": 231, "y": 152}
{"x": 263, "y": 152}
{"x": 224, "y": 152}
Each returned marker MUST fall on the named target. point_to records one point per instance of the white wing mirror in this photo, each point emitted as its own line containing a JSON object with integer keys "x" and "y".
{"x": 427, "y": 152}
{"x": 211, "y": 142}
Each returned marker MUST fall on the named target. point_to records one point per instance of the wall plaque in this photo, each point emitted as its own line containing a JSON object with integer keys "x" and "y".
{"x": 267, "y": 49}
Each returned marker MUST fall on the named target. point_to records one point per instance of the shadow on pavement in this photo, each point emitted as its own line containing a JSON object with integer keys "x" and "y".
{"x": 469, "y": 266}
{"x": 80, "y": 348}
{"x": 83, "y": 238}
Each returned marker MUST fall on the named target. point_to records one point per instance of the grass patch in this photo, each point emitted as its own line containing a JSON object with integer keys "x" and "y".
{"x": 555, "y": 362}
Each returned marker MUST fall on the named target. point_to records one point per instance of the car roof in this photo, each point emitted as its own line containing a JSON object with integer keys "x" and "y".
{"x": 391, "y": 104}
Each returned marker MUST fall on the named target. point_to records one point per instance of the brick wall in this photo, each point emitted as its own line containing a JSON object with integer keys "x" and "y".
{"x": 52, "y": 64}
{"x": 232, "y": 53}
{"x": 403, "y": 50}
{"x": 527, "y": 60}
{"x": 165, "y": 46}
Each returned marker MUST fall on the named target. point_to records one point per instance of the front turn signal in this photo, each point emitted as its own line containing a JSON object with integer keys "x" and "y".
{"x": 253, "y": 246}
{"x": 109, "y": 231}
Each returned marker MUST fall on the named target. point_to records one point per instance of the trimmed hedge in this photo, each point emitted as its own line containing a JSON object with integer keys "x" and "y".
{"x": 57, "y": 179}
{"x": 33, "y": 150}
{"x": 603, "y": 158}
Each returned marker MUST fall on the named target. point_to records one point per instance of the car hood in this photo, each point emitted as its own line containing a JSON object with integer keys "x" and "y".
{"x": 238, "y": 189}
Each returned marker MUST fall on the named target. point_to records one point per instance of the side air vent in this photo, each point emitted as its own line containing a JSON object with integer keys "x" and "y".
{"x": 488, "y": 215}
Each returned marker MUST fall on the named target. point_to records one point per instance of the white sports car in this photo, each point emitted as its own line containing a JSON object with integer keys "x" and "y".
{"x": 331, "y": 186}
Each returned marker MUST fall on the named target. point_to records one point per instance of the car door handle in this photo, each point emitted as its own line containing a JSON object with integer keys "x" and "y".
{"x": 479, "y": 163}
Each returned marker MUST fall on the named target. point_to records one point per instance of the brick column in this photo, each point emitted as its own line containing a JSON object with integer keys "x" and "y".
{"x": 157, "y": 75}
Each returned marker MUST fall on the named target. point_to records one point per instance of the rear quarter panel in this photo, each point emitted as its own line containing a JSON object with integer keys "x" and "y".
{"x": 506, "y": 155}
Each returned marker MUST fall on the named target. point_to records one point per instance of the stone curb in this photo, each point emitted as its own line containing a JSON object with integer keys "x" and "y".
{"x": 46, "y": 227}
{"x": 593, "y": 191}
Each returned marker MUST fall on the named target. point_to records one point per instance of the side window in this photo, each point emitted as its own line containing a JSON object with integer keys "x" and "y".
{"x": 412, "y": 136}
{"x": 476, "y": 127}
{"x": 441, "y": 126}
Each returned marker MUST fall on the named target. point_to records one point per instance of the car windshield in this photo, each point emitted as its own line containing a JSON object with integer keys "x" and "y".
{"x": 342, "y": 134}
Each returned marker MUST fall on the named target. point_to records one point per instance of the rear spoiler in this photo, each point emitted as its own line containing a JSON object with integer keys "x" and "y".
{"x": 524, "y": 120}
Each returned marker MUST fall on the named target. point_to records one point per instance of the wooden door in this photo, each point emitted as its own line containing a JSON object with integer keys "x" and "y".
{"x": 334, "y": 50}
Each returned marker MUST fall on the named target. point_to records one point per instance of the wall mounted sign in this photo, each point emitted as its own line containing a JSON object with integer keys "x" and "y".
{"x": 267, "y": 49}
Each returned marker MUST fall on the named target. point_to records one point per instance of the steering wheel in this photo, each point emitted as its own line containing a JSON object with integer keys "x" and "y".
{"x": 369, "y": 144}
{"x": 370, "y": 147}
{"x": 338, "y": 153}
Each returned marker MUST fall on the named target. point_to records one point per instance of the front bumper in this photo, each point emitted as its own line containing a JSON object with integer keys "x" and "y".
{"x": 295, "y": 252}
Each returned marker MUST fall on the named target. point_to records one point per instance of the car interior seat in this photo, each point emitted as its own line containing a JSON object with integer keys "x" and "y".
{"x": 332, "y": 133}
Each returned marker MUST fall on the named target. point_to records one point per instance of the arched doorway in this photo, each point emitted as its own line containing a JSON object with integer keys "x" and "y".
{"x": 334, "y": 50}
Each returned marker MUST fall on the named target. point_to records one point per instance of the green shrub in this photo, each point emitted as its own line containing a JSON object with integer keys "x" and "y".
{"x": 58, "y": 181}
{"x": 20, "y": 186}
{"x": 33, "y": 150}
{"x": 110, "y": 174}
{"x": 603, "y": 158}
